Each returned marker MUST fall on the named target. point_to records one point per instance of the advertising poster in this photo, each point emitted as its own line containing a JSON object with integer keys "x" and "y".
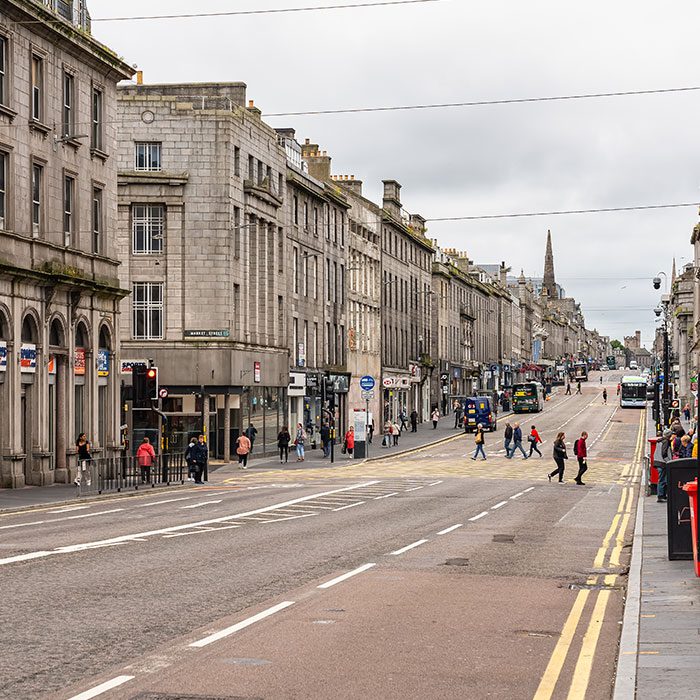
{"x": 79, "y": 361}
{"x": 27, "y": 358}
{"x": 103, "y": 363}
{"x": 3, "y": 356}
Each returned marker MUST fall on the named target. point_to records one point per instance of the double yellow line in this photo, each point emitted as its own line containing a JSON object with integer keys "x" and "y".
{"x": 615, "y": 536}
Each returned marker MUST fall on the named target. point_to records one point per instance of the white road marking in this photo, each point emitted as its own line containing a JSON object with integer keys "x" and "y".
{"x": 199, "y": 505}
{"x": 532, "y": 488}
{"x": 241, "y": 625}
{"x": 160, "y": 503}
{"x": 478, "y": 517}
{"x": 174, "y": 528}
{"x": 346, "y": 576}
{"x": 435, "y": 483}
{"x": 103, "y": 688}
{"x": 60, "y": 520}
{"x": 449, "y": 529}
{"x": 387, "y": 495}
{"x": 199, "y": 532}
{"x": 352, "y": 505}
{"x": 290, "y": 517}
{"x": 406, "y": 548}
{"x": 415, "y": 488}
{"x": 517, "y": 495}
{"x": 499, "y": 505}
{"x": 68, "y": 510}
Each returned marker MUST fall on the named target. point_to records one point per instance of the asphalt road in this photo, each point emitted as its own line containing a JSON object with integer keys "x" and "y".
{"x": 485, "y": 579}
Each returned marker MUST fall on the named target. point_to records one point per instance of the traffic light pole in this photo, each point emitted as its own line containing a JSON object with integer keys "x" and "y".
{"x": 666, "y": 399}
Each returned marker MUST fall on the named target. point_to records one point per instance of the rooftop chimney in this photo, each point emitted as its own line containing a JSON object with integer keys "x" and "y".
{"x": 349, "y": 182}
{"x": 392, "y": 198}
{"x": 319, "y": 163}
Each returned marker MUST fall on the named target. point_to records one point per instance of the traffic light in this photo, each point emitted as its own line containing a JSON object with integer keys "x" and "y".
{"x": 152, "y": 384}
{"x": 138, "y": 374}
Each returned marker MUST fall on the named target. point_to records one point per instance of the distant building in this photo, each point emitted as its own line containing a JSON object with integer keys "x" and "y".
{"x": 59, "y": 286}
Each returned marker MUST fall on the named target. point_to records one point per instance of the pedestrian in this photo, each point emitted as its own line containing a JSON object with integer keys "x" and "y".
{"x": 686, "y": 449}
{"x": 189, "y": 459}
{"x": 243, "y": 448}
{"x": 84, "y": 459}
{"x": 386, "y": 440}
{"x": 457, "y": 410}
{"x": 534, "y": 439}
{"x": 507, "y": 437}
{"x": 370, "y": 431}
{"x": 676, "y": 428}
{"x": 299, "y": 441}
{"x": 578, "y": 387}
{"x": 581, "y": 452}
{"x": 403, "y": 417}
{"x": 326, "y": 439}
{"x": 568, "y": 389}
{"x": 559, "y": 454}
{"x": 605, "y": 396}
{"x": 396, "y": 433}
{"x": 517, "y": 442}
{"x": 200, "y": 455}
{"x": 666, "y": 456}
{"x": 618, "y": 389}
{"x": 349, "y": 443}
{"x": 435, "y": 417}
{"x": 414, "y": 421}
{"x": 145, "y": 455}
{"x": 479, "y": 440}
{"x": 283, "y": 440}
{"x": 601, "y": 378}
{"x": 250, "y": 432}
{"x": 686, "y": 411}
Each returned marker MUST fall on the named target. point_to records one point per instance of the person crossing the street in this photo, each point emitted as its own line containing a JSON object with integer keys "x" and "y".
{"x": 479, "y": 440}
{"x": 534, "y": 439}
{"x": 507, "y": 437}
{"x": 568, "y": 389}
{"x": 517, "y": 442}
{"x": 581, "y": 452}
{"x": 605, "y": 397}
{"x": 578, "y": 386}
{"x": 559, "y": 454}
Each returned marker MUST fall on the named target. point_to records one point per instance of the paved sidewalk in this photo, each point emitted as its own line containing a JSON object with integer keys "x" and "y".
{"x": 660, "y": 642}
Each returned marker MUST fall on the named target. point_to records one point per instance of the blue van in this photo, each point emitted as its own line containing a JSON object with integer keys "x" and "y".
{"x": 478, "y": 409}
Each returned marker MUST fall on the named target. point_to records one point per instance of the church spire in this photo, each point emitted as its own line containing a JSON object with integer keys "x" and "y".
{"x": 673, "y": 270}
{"x": 549, "y": 284}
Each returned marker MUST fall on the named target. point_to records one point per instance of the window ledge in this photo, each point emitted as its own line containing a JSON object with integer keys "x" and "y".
{"x": 36, "y": 125}
{"x": 4, "y": 109}
{"x": 98, "y": 153}
{"x": 73, "y": 143}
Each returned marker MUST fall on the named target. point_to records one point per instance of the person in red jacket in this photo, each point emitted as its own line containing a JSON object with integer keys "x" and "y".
{"x": 534, "y": 439}
{"x": 145, "y": 456}
{"x": 581, "y": 453}
{"x": 350, "y": 441}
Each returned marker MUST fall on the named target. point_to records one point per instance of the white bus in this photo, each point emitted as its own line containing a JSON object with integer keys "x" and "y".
{"x": 633, "y": 392}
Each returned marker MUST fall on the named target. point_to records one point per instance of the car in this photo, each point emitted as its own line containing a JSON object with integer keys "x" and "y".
{"x": 603, "y": 368}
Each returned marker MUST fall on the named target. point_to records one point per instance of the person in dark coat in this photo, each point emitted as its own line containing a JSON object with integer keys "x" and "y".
{"x": 507, "y": 437}
{"x": 414, "y": 421}
{"x": 559, "y": 454}
{"x": 283, "y": 440}
{"x": 250, "y": 432}
{"x": 517, "y": 442}
{"x": 200, "y": 455}
{"x": 326, "y": 439}
{"x": 189, "y": 460}
{"x": 581, "y": 452}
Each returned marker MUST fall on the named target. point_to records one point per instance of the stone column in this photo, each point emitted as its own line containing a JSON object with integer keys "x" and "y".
{"x": 227, "y": 427}
{"x": 61, "y": 419}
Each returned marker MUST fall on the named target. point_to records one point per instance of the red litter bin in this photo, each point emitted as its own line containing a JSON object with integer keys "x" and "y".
{"x": 691, "y": 488}
{"x": 653, "y": 471}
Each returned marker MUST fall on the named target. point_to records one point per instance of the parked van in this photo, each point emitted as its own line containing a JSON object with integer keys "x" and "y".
{"x": 478, "y": 409}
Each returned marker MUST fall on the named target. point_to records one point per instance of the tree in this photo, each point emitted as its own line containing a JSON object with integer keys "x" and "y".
{"x": 616, "y": 345}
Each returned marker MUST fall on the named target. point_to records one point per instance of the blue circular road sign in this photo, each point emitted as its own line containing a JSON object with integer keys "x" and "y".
{"x": 367, "y": 383}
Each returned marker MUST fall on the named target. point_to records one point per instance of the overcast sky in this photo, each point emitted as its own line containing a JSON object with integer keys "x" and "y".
{"x": 480, "y": 160}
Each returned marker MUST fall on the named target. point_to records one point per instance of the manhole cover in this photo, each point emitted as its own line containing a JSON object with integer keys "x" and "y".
{"x": 457, "y": 561}
{"x": 504, "y": 538}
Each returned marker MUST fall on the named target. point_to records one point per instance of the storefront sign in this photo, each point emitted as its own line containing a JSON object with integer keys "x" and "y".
{"x": 341, "y": 383}
{"x": 27, "y": 358}
{"x": 297, "y": 384}
{"x": 396, "y": 382}
{"x": 79, "y": 361}
{"x": 257, "y": 373}
{"x": 52, "y": 364}
{"x": 211, "y": 333}
{"x": 312, "y": 381}
{"x": 301, "y": 355}
{"x": 3, "y": 356}
{"x": 414, "y": 371}
{"x": 103, "y": 363}
{"x": 127, "y": 366}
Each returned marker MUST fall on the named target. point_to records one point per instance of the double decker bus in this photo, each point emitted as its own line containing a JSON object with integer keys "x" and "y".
{"x": 633, "y": 392}
{"x": 580, "y": 372}
{"x": 528, "y": 397}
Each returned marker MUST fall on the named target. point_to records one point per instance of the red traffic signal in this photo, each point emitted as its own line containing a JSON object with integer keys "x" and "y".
{"x": 152, "y": 383}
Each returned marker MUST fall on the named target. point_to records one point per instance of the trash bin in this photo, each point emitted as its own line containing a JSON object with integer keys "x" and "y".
{"x": 691, "y": 488}
{"x": 653, "y": 476}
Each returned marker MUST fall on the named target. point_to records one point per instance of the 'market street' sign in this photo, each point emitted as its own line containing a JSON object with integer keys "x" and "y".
{"x": 217, "y": 333}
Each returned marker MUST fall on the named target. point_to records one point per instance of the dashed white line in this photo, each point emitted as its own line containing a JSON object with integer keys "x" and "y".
{"x": 517, "y": 495}
{"x": 415, "y": 488}
{"x": 199, "y": 505}
{"x": 241, "y": 625}
{"x": 499, "y": 505}
{"x": 160, "y": 503}
{"x": 69, "y": 509}
{"x": 387, "y": 495}
{"x": 532, "y": 488}
{"x": 199, "y": 532}
{"x": 103, "y": 688}
{"x": 352, "y": 505}
{"x": 344, "y": 577}
{"x": 406, "y": 548}
{"x": 60, "y": 520}
{"x": 483, "y": 514}
{"x": 435, "y": 483}
{"x": 449, "y": 529}
{"x": 289, "y": 517}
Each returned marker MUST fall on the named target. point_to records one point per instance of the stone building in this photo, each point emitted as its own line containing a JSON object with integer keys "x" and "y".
{"x": 406, "y": 328}
{"x": 59, "y": 286}
{"x": 206, "y": 256}
{"x": 681, "y": 331}
{"x": 318, "y": 240}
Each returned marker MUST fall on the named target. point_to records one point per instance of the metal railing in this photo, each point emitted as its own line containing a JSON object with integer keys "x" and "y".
{"x": 116, "y": 474}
